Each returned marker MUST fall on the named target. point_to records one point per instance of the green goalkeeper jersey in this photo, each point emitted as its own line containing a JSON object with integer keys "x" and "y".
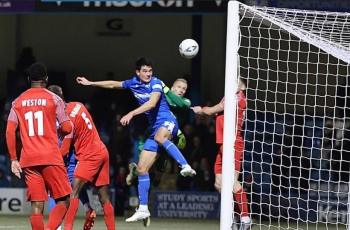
{"x": 176, "y": 101}
{"x": 178, "y": 105}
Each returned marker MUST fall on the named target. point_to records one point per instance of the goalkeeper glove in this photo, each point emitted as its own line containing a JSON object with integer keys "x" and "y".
{"x": 181, "y": 140}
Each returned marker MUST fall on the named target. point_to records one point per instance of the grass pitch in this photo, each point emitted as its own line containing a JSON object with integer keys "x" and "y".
{"x": 21, "y": 222}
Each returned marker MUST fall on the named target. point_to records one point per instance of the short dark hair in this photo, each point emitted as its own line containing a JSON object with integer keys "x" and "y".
{"x": 56, "y": 89}
{"x": 143, "y": 61}
{"x": 37, "y": 72}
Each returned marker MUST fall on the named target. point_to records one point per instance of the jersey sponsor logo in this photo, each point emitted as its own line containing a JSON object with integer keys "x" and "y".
{"x": 34, "y": 102}
{"x": 75, "y": 110}
{"x": 142, "y": 95}
{"x": 148, "y": 4}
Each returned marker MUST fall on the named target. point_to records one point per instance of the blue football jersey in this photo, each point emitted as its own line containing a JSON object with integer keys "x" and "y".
{"x": 142, "y": 92}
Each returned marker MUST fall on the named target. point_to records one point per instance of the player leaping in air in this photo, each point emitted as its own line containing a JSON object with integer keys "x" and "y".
{"x": 35, "y": 111}
{"x": 148, "y": 91}
{"x": 178, "y": 103}
{"x": 240, "y": 195}
{"x": 93, "y": 159}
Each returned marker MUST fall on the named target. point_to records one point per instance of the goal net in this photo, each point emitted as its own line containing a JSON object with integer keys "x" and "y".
{"x": 297, "y": 130}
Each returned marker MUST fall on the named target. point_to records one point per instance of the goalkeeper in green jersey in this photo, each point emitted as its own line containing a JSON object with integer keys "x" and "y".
{"x": 178, "y": 103}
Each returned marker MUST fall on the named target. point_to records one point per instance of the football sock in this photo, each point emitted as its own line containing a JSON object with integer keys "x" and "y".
{"x": 37, "y": 221}
{"x": 56, "y": 216}
{"x": 109, "y": 216}
{"x": 143, "y": 188}
{"x": 174, "y": 152}
{"x": 241, "y": 198}
{"x": 70, "y": 215}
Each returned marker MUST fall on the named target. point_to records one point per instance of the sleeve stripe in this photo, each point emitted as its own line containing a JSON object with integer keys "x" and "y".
{"x": 157, "y": 86}
{"x": 13, "y": 116}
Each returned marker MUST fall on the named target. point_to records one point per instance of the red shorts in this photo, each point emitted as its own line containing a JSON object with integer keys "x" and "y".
{"x": 237, "y": 159}
{"x": 94, "y": 170}
{"x": 43, "y": 178}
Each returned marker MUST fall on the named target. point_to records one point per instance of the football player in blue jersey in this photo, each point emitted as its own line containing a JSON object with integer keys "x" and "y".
{"x": 148, "y": 91}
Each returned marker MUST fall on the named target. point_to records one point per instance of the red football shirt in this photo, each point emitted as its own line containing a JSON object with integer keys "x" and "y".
{"x": 36, "y": 111}
{"x": 86, "y": 140}
{"x": 242, "y": 104}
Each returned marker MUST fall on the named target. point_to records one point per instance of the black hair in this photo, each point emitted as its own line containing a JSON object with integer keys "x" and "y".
{"x": 143, "y": 61}
{"x": 56, "y": 89}
{"x": 37, "y": 72}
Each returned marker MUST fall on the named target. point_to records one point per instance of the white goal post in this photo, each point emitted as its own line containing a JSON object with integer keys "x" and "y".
{"x": 297, "y": 128}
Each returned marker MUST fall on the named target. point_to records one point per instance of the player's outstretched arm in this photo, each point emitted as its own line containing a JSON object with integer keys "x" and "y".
{"x": 150, "y": 104}
{"x": 218, "y": 108}
{"x": 101, "y": 84}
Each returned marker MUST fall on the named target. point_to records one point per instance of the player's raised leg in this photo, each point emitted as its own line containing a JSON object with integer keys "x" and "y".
{"x": 162, "y": 137}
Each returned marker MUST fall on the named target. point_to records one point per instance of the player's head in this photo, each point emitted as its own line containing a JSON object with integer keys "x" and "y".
{"x": 37, "y": 73}
{"x": 179, "y": 87}
{"x": 144, "y": 69}
{"x": 241, "y": 84}
{"x": 56, "y": 90}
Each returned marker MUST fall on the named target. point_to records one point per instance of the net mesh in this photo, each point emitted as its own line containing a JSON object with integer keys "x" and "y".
{"x": 297, "y": 136}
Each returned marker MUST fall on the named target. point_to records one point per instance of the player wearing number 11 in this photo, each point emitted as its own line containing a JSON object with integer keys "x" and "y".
{"x": 35, "y": 111}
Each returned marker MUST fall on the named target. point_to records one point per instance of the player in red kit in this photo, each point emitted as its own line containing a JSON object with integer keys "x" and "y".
{"x": 239, "y": 194}
{"x": 36, "y": 111}
{"x": 93, "y": 161}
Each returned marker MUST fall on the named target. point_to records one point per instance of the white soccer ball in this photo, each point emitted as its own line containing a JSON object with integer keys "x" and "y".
{"x": 188, "y": 48}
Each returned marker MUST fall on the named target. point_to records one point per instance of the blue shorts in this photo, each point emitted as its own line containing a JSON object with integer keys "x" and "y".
{"x": 169, "y": 123}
